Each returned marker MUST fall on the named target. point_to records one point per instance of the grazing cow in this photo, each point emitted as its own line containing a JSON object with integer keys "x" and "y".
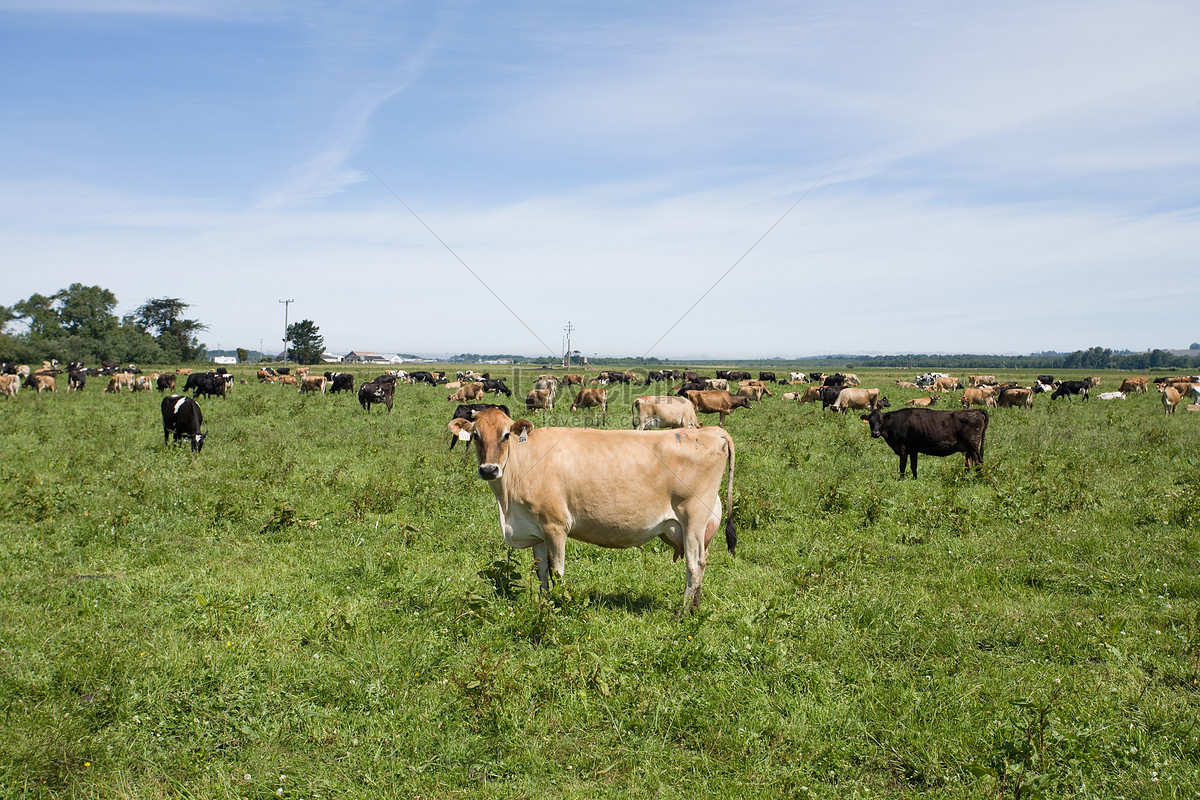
{"x": 1092, "y": 381}
{"x": 716, "y": 383}
{"x": 313, "y": 383}
{"x": 574, "y": 379}
{"x": 910, "y": 431}
{"x": 181, "y": 416}
{"x": 143, "y": 383}
{"x": 923, "y": 401}
{"x": 468, "y": 412}
{"x": 945, "y": 383}
{"x": 798, "y": 376}
{"x": 737, "y": 375}
{"x": 206, "y": 383}
{"x": 817, "y": 377}
{"x": 371, "y": 392}
{"x": 1018, "y": 397}
{"x": 165, "y": 382}
{"x": 975, "y": 381}
{"x": 812, "y": 394}
{"x": 423, "y": 376}
{"x": 755, "y": 393}
{"x": 10, "y": 384}
{"x": 1134, "y": 385}
{"x": 496, "y": 385}
{"x": 340, "y": 382}
{"x": 546, "y": 382}
{"x": 267, "y": 376}
{"x": 590, "y": 398}
{"x": 636, "y": 485}
{"x": 849, "y": 398}
{"x": 978, "y": 396}
{"x": 717, "y": 401}
{"x": 540, "y": 398}
{"x": 1111, "y": 395}
{"x": 829, "y": 395}
{"x": 39, "y": 381}
{"x": 472, "y": 391}
{"x": 288, "y": 380}
{"x": 766, "y": 376}
{"x": 76, "y": 380}
{"x": 1046, "y": 379}
{"x": 663, "y": 411}
{"x": 1068, "y": 388}
{"x": 1170, "y": 399}
{"x": 301, "y": 372}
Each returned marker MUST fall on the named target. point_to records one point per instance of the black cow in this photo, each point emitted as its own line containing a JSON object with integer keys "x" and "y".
{"x": 739, "y": 375}
{"x": 468, "y": 412}
{"x": 723, "y": 375}
{"x": 340, "y": 381}
{"x": 76, "y": 380}
{"x": 1068, "y": 388}
{"x": 372, "y": 392}
{"x": 1046, "y": 379}
{"x": 496, "y": 385}
{"x": 181, "y": 416}
{"x": 164, "y": 382}
{"x": 766, "y": 376}
{"x": 691, "y": 386}
{"x": 206, "y": 383}
{"x": 910, "y": 431}
{"x": 829, "y": 394}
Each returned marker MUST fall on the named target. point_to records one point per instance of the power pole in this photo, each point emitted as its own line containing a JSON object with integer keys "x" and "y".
{"x": 567, "y": 356}
{"x": 286, "y": 303}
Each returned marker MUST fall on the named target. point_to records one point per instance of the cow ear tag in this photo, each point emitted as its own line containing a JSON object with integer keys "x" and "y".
{"x": 464, "y": 436}
{"x": 524, "y": 437}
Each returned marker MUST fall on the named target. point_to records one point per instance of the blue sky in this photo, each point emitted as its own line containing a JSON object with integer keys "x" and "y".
{"x": 929, "y": 176}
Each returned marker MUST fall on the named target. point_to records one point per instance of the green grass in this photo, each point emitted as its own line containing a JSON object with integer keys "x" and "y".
{"x": 322, "y": 601}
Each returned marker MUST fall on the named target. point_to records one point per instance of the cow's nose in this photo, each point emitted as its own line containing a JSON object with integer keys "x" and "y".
{"x": 489, "y": 472}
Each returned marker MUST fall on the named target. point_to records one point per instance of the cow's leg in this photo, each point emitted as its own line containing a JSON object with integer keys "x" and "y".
{"x": 913, "y": 456}
{"x": 696, "y": 558}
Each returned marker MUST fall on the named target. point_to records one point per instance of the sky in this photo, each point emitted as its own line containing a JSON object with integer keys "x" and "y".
{"x": 676, "y": 180}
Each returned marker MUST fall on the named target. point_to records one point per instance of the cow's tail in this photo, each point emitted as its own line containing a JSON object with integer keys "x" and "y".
{"x": 730, "y": 528}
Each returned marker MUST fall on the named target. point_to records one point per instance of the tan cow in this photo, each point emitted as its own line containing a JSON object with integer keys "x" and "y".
{"x": 39, "y": 382}
{"x": 606, "y": 487}
{"x": 1134, "y": 385}
{"x": 975, "y": 381}
{"x": 1019, "y": 397}
{"x": 10, "y": 385}
{"x": 811, "y": 395}
{"x": 263, "y": 376}
{"x": 590, "y": 398}
{"x": 946, "y": 384}
{"x": 1170, "y": 399}
{"x": 143, "y": 383}
{"x": 907, "y": 385}
{"x": 573, "y": 379}
{"x": 867, "y": 399}
{"x": 716, "y": 401}
{"x": 664, "y": 411}
{"x": 465, "y": 394}
{"x": 978, "y": 396}
{"x": 312, "y": 383}
{"x": 288, "y": 380}
{"x": 717, "y": 383}
{"x": 755, "y": 393}
{"x": 300, "y": 372}
{"x": 188, "y": 371}
{"x": 540, "y": 398}
{"x": 923, "y": 401}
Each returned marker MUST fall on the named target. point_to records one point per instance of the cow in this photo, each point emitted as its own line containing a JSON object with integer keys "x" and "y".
{"x": 39, "y": 381}
{"x": 1042, "y": 388}
{"x": 1192, "y": 393}
{"x": 468, "y": 412}
{"x": 1170, "y": 399}
{"x": 181, "y": 416}
{"x": 371, "y": 392}
{"x": 540, "y": 398}
{"x": 472, "y": 391}
{"x": 945, "y": 383}
{"x": 423, "y": 376}
{"x": 1018, "y": 397}
{"x": 850, "y": 397}
{"x": 909, "y": 431}
{"x": 496, "y": 385}
{"x": 753, "y": 392}
{"x": 188, "y": 371}
{"x": 10, "y": 384}
{"x": 737, "y": 375}
{"x": 574, "y": 379}
{"x": 340, "y": 382}
{"x": 165, "y": 382}
{"x": 923, "y": 401}
{"x": 143, "y": 383}
{"x": 663, "y": 411}
{"x": 1134, "y": 385}
{"x": 76, "y": 380}
{"x": 716, "y": 401}
{"x": 267, "y": 376}
{"x": 1068, "y": 388}
{"x": 975, "y": 381}
{"x": 716, "y": 383}
{"x": 766, "y": 376}
{"x": 286, "y": 379}
{"x": 829, "y": 395}
{"x": 206, "y": 383}
{"x": 811, "y": 395}
{"x": 908, "y": 385}
{"x": 1047, "y": 379}
{"x": 978, "y": 396}
{"x": 313, "y": 383}
{"x": 797, "y": 377}
{"x": 636, "y": 485}
{"x": 590, "y": 398}
{"x": 1111, "y": 395}
{"x": 301, "y": 372}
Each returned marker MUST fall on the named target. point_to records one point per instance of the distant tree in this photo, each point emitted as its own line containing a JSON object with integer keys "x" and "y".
{"x": 1194, "y": 345}
{"x": 86, "y": 311}
{"x": 7, "y": 314}
{"x": 175, "y": 335}
{"x": 243, "y": 355}
{"x": 39, "y": 314}
{"x": 306, "y": 342}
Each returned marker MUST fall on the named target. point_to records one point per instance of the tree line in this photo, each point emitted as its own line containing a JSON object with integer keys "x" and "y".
{"x": 80, "y": 323}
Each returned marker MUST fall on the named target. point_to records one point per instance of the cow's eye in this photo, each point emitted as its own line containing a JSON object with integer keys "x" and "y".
{"x": 505, "y": 439}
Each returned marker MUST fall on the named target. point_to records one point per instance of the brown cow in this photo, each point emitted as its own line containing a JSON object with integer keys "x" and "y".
{"x": 540, "y": 398}
{"x": 978, "y": 396}
{"x": 312, "y": 383}
{"x": 716, "y": 401}
{"x": 947, "y": 384}
{"x": 10, "y": 385}
{"x": 469, "y": 392}
{"x": 1170, "y": 399}
{"x": 573, "y": 379}
{"x": 1016, "y": 398}
{"x": 1135, "y": 385}
{"x": 864, "y": 399}
{"x": 288, "y": 380}
{"x": 263, "y": 376}
{"x": 975, "y": 381}
{"x": 811, "y": 395}
{"x": 605, "y": 487}
{"x": 923, "y": 401}
{"x": 590, "y": 398}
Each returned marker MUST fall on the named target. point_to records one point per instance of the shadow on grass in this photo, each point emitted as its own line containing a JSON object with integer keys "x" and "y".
{"x": 637, "y": 604}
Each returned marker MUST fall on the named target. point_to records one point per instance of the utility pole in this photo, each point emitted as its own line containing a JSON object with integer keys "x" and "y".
{"x": 567, "y": 356}
{"x": 286, "y": 303}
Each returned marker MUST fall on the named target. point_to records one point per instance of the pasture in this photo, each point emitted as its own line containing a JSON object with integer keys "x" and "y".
{"x": 320, "y": 605}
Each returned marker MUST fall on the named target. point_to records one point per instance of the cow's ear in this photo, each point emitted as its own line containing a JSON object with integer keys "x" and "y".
{"x": 459, "y": 426}
{"x": 865, "y": 417}
{"x": 521, "y": 428}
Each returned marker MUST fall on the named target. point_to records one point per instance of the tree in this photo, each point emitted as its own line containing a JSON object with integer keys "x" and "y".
{"x": 7, "y": 314}
{"x": 176, "y": 336}
{"x": 243, "y": 355}
{"x": 306, "y": 342}
{"x": 86, "y": 311}
{"x": 1194, "y": 345}
{"x": 39, "y": 314}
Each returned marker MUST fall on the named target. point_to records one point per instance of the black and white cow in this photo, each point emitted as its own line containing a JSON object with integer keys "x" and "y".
{"x": 340, "y": 381}
{"x": 181, "y": 417}
{"x": 372, "y": 392}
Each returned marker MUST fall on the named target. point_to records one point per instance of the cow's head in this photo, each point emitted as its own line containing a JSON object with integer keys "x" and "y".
{"x": 493, "y": 433}
{"x": 198, "y": 440}
{"x": 875, "y": 420}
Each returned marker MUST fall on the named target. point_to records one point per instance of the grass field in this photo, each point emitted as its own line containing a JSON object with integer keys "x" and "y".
{"x": 320, "y": 605}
